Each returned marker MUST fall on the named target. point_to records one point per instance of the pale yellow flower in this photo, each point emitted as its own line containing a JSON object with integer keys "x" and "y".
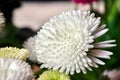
{"x": 13, "y": 52}
{"x": 53, "y": 75}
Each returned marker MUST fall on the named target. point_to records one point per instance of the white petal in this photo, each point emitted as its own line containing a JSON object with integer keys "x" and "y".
{"x": 94, "y": 27}
{"x": 72, "y": 70}
{"x": 100, "y": 33}
{"x": 83, "y": 69}
{"x": 67, "y": 70}
{"x": 99, "y": 29}
{"x": 62, "y": 69}
{"x": 99, "y": 45}
{"x": 100, "y": 53}
{"x": 103, "y": 51}
{"x": 108, "y": 41}
{"x": 94, "y": 64}
{"x": 97, "y": 60}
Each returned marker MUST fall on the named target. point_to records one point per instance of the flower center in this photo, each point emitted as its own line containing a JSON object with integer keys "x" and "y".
{"x": 78, "y": 41}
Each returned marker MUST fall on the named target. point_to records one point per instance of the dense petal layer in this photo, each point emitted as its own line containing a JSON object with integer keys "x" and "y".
{"x": 12, "y": 69}
{"x": 13, "y": 52}
{"x": 65, "y": 41}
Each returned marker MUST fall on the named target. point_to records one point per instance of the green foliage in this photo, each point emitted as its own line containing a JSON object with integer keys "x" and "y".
{"x": 9, "y": 37}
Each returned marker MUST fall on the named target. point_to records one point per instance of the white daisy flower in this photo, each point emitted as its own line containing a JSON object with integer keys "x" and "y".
{"x": 29, "y": 45}
{"x": 2, "y": 21}
{"x": 67, "y": 42}
{"x": 12, "y": 69}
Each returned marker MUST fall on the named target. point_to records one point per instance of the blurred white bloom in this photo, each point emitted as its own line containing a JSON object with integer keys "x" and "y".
{"x": 2, "y": 21}
{"x": 113, "y": 74}
{"x": 29, "y": 45}
{"x": 11, "y": 69}
{"x": 67, "y": 42}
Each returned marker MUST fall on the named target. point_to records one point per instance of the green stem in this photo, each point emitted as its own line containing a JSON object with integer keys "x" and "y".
{"x": 113, "y": 13}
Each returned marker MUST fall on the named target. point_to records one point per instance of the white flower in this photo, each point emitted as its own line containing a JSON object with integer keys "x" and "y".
{"x": 12, "y": 69}
{"x": 2, "y": 21}
{"x": 29, "y": 45}
{"x": 67, "y": 42}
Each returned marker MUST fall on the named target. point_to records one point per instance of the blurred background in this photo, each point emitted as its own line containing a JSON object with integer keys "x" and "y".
{"x": 25, "y": 17}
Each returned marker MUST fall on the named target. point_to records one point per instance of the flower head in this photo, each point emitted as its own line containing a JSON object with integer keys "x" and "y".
{"x": 53, "y": 75}
{"x": 2, "y": 21}
{"x": 67, "y": 42}
{"x": 83, "y": 1}
{"x": 12, "y": 52}
{"x": 12, "y": 69}
{"x": 29, "y": 45}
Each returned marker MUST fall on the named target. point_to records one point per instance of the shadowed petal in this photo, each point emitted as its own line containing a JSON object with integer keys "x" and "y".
{"x": 97, "y": 60}
{"x": 99, "y": 45}
{"x": 99, "y": 29}
{"x": 100, "y": 53}
{"x": 108, "y": 41}
{"x": 100, "y": 33}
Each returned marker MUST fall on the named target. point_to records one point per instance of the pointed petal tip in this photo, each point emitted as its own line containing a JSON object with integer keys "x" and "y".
{"x": 103, "y": 45}
{"x": 100, "y": 33}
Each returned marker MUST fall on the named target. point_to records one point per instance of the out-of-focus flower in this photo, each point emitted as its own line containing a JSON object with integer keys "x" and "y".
{"x": 2, "y": 21}
{"x": 83, "y": 1}
{"x": 53, "y": 75}
{"x": 67, "y": 42}
{"x": 13, "y": 69}
{"x": 112, "y": 75}
{"x": 29, "y": 45}
{"x": 13, "y": 52}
